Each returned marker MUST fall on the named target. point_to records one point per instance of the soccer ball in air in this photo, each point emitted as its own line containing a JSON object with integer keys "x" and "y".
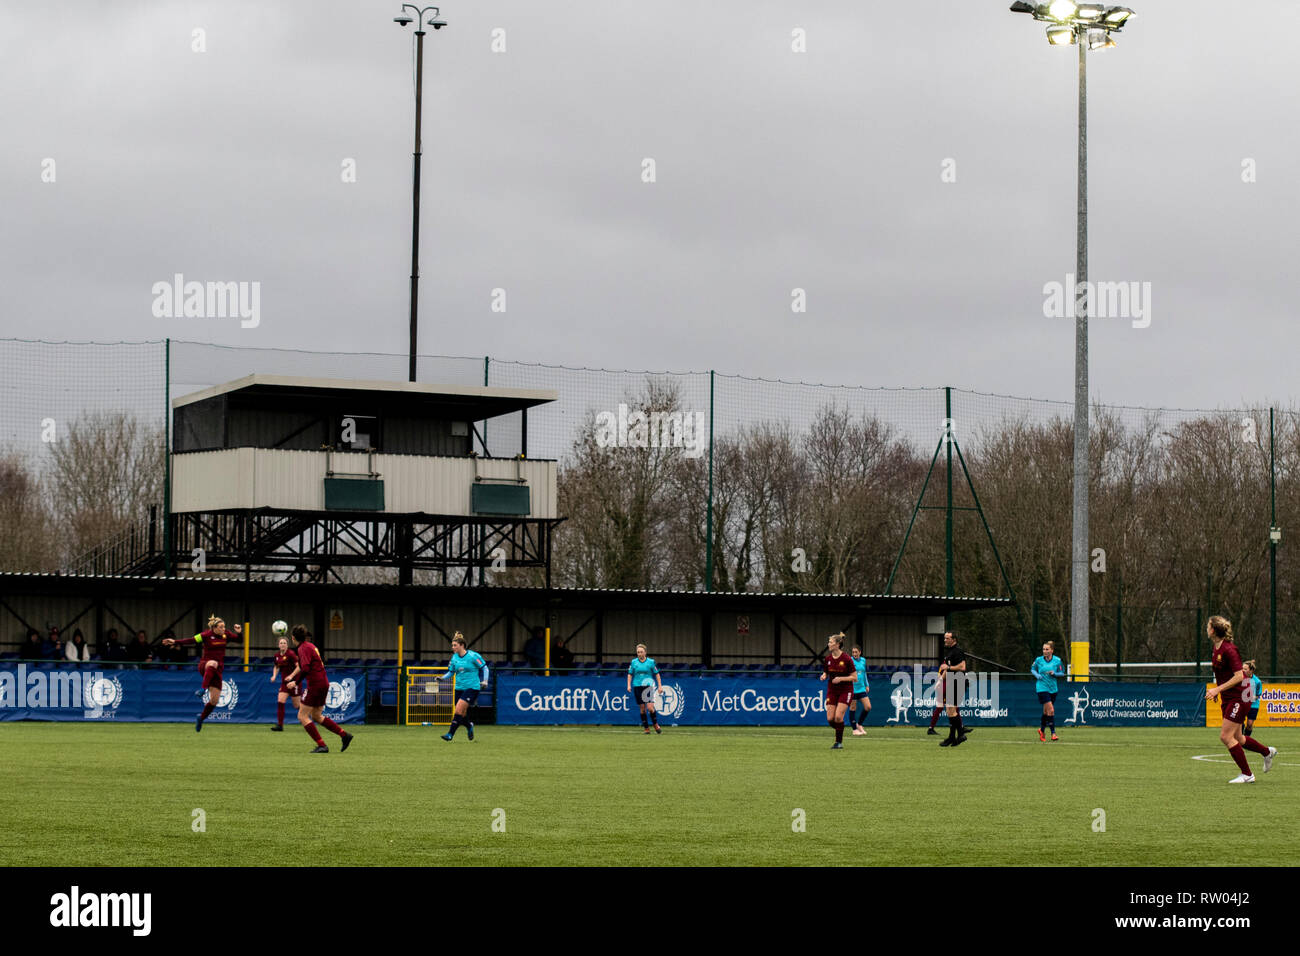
{"x": 279, "y": 628}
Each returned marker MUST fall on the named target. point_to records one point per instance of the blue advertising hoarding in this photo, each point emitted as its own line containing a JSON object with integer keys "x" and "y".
{"x": 29, "y": 692}
{"x": 907, "y": 699}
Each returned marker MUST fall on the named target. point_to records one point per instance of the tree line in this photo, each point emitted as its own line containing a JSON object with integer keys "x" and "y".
{"x": 1179, "y": 518}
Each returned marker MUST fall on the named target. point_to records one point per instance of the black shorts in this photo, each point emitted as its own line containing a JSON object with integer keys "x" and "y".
{"x": 860, "y": 695}
{"x": 644, "y": 695}
{"x": 469, "y": 695}
{"x": 1045, "y": 697}
{"x": 1254, "y": 713}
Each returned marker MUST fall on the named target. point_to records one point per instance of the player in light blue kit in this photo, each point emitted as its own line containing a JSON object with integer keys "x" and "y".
{"x": 644, "y": 675}
{"x": 1256, "y": 688}
{"x": 1046, "y": 669}
{"x": 861, "y": 702}
{"x": 470, "y": 672}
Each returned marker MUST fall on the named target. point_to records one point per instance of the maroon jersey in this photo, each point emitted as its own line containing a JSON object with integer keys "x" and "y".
{"x": 285, "y": 663}
{"x": 1227, "y": 661}
{"x": 212, "y": 647}
{"x": 841, "y": 667}
{"x": 313, "y": 668}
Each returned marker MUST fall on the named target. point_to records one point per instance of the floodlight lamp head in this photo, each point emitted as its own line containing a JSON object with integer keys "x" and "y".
{"x": 402, "y": 21}
{"x": 1060, "y": 35}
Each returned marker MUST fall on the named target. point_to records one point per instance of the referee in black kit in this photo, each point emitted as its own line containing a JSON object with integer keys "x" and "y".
{"x": 952, "y": 662}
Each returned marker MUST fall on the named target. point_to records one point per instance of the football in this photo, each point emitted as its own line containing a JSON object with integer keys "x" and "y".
{"x": 279, "y": 628}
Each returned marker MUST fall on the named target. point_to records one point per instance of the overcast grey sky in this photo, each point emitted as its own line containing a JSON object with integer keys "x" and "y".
{"x": 775, "y": 170}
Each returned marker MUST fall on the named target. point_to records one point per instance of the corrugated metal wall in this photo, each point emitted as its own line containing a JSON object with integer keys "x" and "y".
{"x": 259, "y": 477}
{"x": 370, "y": 630}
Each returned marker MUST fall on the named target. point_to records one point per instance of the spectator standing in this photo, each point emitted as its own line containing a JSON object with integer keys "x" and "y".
{"x": 561, "y": 657}
{"x": 535, "y": 650}
{"x": 77, "y": 649}
{"x": 140, "y": 652}
{"x": 52, "y": 646}
{"x": 31, "y": 649}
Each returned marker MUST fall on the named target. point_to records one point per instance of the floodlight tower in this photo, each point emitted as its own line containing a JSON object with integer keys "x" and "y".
{"x": 1089, "y": 26}
{"x": 434, "y": 20}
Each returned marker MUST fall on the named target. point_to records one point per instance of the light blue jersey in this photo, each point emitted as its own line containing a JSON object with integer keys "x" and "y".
{"x": 1256, "y": 688}
{"x": 1047, "y": 671}
{"x": 860, "y": 680}
{"x": 643, "y": 672}
{"x": 470, "y": 671}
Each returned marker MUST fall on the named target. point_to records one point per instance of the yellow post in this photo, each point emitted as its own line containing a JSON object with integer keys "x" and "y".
{"x": 548, "y": 652}
{"x": 246, "y": 628}
{"x": 1079, "y": 661}
{"x": 399, "y": 673}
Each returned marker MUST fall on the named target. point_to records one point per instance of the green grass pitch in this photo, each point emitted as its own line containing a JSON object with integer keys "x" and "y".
{"x": 125, "y": 794}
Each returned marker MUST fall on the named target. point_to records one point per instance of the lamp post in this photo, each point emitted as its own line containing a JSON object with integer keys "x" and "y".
{"x": 1089, "y": 26}
{"x": 418, "y": 15}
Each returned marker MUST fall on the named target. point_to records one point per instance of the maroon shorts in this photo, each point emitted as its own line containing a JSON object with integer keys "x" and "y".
{"x": 839, "y": 694}
{"x": 215, "y": 680}
{"x": 1235, "y": 711}
{"x": 315, "y": 696}
{"x": 291, "y": 691}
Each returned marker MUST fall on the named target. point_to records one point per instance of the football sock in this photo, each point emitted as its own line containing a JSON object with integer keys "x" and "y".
{"x": 645, "y": 719}
{"x": 279, "y": 713}
{"x": 314, "y": 734}
{"x": 961, "y": 729}
{"x": 1256, "y": 746}
{"x": 1239, "y": 755}
{"x": 654, "y": 717}
{"x": 1051, "y": 722}
{"x": 1042, "y": 724}
{"x": 839, "y": 731}
{"x": 455, "y": 722}
{"x": 934, "y": 718}
{"x": 207, "y": 709}
{"x": 952, "y": 727}
{"x": 332, "y": 727}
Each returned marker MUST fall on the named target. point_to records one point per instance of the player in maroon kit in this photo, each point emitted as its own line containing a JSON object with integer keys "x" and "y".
{"x": 212, "y": 661}
{"x": 312, "y": 671}
{"x": 839, "y": 670}
{"x": 1228, "y": 673}
{"x": 285, "y": 661}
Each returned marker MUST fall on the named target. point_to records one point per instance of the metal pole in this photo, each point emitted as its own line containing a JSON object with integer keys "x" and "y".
{"x": 1272, "y": 550}
{"x": 708, "y": 512}
{"x": 1119, "y": 625}
{"x": 415, "y": 198}
{"x": 168, "y": 571}
{"x": 947, "y": 532}
{"x": 1079, "y": 566}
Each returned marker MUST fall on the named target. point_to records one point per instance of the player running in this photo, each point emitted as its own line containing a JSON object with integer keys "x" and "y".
{"x": 1228, "y": 673}
{"x": 286, "y": 660}
{"x": 1046, "y": 669}
{"x": 311, "y": 711}
{"x": 954, "y": 662}
{"x": 470, "y": 673}
{"x": 212, "y": 661}
{"x": 861, "y": 702}
{"x": 645, "y": 673}
{"x": 1256, "y": 689}
{"x": 837, "y": 667}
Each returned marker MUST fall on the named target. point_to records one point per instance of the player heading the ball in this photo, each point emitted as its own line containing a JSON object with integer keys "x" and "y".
{"x": 286, "y": 659}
